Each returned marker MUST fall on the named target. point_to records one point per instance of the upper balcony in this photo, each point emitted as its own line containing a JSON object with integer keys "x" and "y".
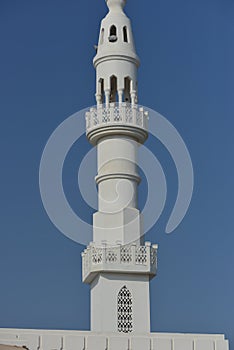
{"x": 117, "y": 119}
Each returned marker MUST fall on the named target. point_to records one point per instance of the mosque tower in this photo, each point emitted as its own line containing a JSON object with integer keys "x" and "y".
{"x": 118, "y": 264}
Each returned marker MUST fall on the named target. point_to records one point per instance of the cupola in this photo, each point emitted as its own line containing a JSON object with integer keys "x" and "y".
{"x": 116, "y": 61}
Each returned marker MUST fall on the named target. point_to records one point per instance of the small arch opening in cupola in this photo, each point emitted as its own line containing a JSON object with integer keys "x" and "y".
{"x": 113, "y": 34}
{"x": 125, "y": 34}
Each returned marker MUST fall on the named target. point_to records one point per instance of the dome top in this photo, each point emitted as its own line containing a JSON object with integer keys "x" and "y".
{"x": 116, "y": 5}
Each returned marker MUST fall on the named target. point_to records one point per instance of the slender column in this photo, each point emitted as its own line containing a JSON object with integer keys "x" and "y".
{"x": 120, "y": 93}
{"x": 98, "y": 99}
{"x": 107, "y": 97}
{"x": 133, "y": 97}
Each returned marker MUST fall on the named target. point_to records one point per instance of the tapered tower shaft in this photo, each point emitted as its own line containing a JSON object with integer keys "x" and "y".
{"x": 118, "y": 264}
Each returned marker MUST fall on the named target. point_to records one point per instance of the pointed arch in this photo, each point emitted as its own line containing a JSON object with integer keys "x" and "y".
{"x": 113, "y": 34}
{"x": 127, "y": 89}
{"x": 125, "y": 34}
{"x": 113, "y": 90}
{"x": 124, "y": 310}
{"x": 113, "y": 30}
{"x": 101, "y": 89}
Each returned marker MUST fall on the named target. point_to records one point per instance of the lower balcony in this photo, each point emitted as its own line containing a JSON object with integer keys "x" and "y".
{"x": 130, "y": 259}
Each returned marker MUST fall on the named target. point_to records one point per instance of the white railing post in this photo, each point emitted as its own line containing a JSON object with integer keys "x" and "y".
{"x": 111, "y": 109}
{"x": 148, "y": 253}
{"x": 104, "y": 248}
{"x": 119, "y": 245}
{"x": 99, "y": 114}
{"x": 133, "y": 253}
{"x": 90, "y": 258}
{"x": 134, "y": 114}
{"x": 146, "y": 120}
{"x": 141, "y": 114}
{"x": 123, "y": 112}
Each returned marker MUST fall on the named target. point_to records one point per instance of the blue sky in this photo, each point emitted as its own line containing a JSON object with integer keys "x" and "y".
{"x": 186, "y": 74}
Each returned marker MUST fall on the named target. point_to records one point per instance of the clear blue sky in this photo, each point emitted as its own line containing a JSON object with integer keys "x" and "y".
{"x": 46, "y": 74}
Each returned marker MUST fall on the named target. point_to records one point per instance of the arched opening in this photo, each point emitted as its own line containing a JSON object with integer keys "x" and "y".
{"x": 127, "y": 88}
{"x": 125, "y": 34}
{"x": 102, "y": 36}
{"x": 101, "y": 89}
{"x": 113, "y": 34}
{"x": 113, "y": 92}
{"x": 124, "y": 310}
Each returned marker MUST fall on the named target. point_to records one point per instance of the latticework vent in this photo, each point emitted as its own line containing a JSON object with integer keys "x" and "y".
{"x": 125, "y": 310}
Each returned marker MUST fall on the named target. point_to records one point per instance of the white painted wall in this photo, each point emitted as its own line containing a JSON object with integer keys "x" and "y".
{"x": 104, "y": 294}
{"x": 77, "y": 340}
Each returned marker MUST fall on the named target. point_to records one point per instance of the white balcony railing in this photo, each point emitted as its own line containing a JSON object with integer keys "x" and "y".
{"x": 116, "y": 114}
{"x": 130, "y": 258}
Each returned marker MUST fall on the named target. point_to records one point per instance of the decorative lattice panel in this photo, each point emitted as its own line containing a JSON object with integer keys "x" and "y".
{"x": 111, "y": 255}
{"x": 141, "y": 255}
{"x": 105, "y": 115}
{"x": 139, "y": 120}
{"x": 117, "y": 114}
{"x": 126, "y": 254}
{"x": 95, "y": 118}
{"x": 125, "y": 310}
{"x": 129, "y": 115}
{"x": 97, "y": 256}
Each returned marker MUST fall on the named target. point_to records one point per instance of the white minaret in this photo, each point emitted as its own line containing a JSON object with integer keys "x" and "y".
{"x": 118, "y": 265}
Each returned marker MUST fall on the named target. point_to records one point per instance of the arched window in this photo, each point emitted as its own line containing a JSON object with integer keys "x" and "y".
{"x": 113, "y": 34}
{"x": 102, "y": 36}
{"x": 125, "y": 34}
{"x": 125, "y": 310}
{"x": 101, "y": 89}
{"x": 127, "y": 88}
{"x": 113, "y": 92}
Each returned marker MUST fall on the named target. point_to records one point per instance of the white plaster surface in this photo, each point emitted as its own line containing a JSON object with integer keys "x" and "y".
{"x": 123, "y": 227}
{"x": 78, "y": 340}
{"x": 104, "y": 292}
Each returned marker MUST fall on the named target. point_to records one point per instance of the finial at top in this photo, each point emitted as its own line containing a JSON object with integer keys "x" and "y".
{"x": 116, "y": 5}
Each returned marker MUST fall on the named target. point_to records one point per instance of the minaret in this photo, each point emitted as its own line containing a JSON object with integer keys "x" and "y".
{"x": 118, "y": 264}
